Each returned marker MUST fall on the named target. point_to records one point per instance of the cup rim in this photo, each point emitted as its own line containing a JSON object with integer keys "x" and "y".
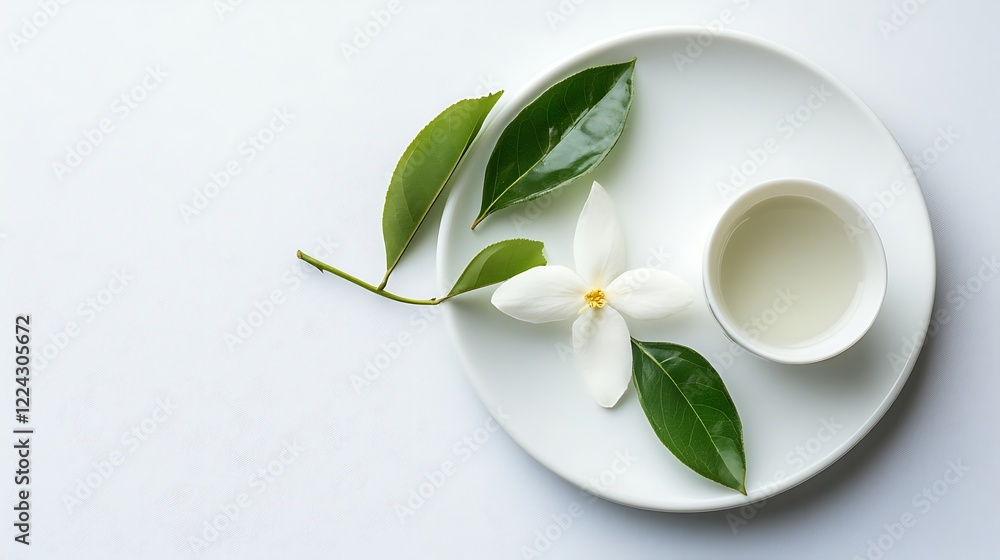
{"x": 876, "y": 280}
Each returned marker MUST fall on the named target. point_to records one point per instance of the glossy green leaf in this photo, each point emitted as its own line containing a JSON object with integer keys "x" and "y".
{"x": 564, "y": 133}
{"x": 499, "y": 262}
{"x": 425, "y": 168}
{"x": 690, "y": 410}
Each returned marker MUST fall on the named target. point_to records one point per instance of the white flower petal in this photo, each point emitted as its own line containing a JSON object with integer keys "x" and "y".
{"x": 604, "y": 353}
{"x": 599, "y": 244}
{"x": 647, "y": 293}
{"x": 541, "y": 294}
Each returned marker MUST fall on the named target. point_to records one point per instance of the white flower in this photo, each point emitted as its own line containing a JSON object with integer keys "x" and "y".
{"x": 595, "y": 294}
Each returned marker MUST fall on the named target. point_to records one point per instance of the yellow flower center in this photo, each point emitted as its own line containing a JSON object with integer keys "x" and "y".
{"x": 595, "y": 298}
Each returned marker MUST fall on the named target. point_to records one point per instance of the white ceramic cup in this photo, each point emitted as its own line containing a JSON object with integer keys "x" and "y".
{"x": 869, "y": 290}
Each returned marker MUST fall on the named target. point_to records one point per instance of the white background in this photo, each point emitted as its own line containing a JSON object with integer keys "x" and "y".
{"x": 359, "y": 449}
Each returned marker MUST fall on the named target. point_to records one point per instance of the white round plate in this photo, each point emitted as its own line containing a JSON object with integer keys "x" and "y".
{"x": 700, "y": 112}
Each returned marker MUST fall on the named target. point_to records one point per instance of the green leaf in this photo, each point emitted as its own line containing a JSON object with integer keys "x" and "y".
{"x": 564, "y": 133}
{"x": 424, "y": 169}
{"x": 690, "y": 410}
{"x": 497, "y": 263}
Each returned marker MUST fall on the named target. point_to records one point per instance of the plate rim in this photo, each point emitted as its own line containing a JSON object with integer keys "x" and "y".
{"x": 562, "y": 67}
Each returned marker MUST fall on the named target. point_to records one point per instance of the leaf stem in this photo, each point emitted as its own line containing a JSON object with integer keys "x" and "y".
{"x": 322, "y": 266}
